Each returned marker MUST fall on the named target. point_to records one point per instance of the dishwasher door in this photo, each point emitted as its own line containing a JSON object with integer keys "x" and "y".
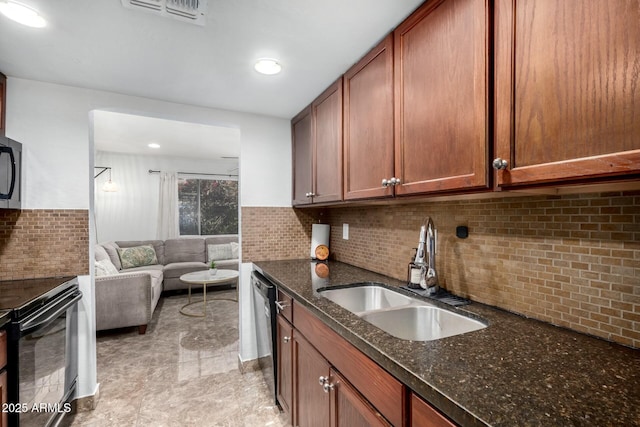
{"x": 264, "y": 297}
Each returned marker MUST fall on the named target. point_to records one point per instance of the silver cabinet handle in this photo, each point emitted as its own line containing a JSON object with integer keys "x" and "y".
{"x": 500, "y": 164}
{"x": 385, "y": 182}
{"x": 323, "y": 379}
{"x": 280, "y": 305}
{"x": 327, "y": 386}
{"x": 394, "y": 181}
{"x": 286, "y": 339}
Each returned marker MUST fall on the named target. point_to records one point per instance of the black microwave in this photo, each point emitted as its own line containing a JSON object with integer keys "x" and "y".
{"x": 10, "y": 173}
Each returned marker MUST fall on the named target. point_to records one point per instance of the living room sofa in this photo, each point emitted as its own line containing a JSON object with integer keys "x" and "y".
{"x": 131, "y": 275}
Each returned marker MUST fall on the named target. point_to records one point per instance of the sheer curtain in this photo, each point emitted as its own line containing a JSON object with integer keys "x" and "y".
{"x": 168, "y": 206}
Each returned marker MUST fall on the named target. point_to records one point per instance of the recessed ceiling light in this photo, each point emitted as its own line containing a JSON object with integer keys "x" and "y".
{"x": 268, "y": 66}
{"x": 22, "y": 14}
{"x": 153, "y": 145}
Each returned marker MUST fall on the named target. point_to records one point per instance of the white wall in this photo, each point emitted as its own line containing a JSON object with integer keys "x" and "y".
{"x": 131, "y": 212}
{"x": 53, "y": 123}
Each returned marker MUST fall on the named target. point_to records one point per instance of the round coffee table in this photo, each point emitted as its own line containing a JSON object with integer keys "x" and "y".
{"x": 204, "y": 278}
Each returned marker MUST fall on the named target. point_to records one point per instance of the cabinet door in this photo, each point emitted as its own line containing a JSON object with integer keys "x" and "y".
{"x": 302, "y": 147}
{"x": 312, "y": 402}
{"x": 4, "y": 418}
{"x": 423, "y": 414}
{"x": 368, "y": 124}
{"x": 441, "y": 97}
{"x": 567, "y": 98}
{"x": 284, "y": 381}
{"x": 349, "y": 408}
{"x": 327, "y": 152}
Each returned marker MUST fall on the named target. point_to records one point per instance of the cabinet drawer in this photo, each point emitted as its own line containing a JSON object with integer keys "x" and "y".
{"x": 285, "y": 305}
{"x": 3, "y": 349}
{"x": 381, "y": 389}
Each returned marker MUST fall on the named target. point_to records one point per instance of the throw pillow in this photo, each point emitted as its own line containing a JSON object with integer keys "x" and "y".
{"x": 219, "y": 252}
{"x": 137, "y": 256}
{"x": 235, "y": 250}
{"x": 105, "y": 267}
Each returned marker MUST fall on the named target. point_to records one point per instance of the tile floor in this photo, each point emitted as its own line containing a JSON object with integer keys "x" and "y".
{"x": 183, "y": 372}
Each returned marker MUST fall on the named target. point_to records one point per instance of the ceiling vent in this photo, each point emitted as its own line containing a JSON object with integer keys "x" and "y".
{"x": 193, "y": 11}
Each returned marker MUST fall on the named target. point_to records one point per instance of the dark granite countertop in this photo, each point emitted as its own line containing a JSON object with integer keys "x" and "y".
{"x": 515, "y": 372}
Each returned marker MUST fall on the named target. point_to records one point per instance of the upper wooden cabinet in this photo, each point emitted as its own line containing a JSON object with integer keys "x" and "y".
{"x": 3, "y": 103}
{"x": 302, "y": 139}
{"x": 567, "y": 94}
{"x": 441, "y": 65}
{"x": 317, "y": 149}
{"x": 368, "y": 124}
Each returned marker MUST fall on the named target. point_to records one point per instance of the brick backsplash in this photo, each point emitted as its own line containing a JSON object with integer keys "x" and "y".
{"x": 573, "y": 261}
{"x": 43, "y": 243}
{"x": 273, "y": 233}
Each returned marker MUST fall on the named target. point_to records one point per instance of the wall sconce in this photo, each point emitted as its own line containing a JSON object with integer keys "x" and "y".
{"x": 108, "y": 186}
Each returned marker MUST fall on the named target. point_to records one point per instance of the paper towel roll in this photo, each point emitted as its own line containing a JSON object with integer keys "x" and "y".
{"x": 319, "y": 236}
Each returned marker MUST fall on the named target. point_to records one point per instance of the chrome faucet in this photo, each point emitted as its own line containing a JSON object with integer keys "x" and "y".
{"x": 428, "y": 274}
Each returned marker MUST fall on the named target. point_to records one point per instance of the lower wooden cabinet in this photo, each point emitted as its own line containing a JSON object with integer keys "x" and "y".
{"x": 325, "y": 381}
{"x": 349, "y": 408}
{"x": 284, "y": 351}
{"x": 4, "y": 419}
{"x": 311, "y": 373}
{"x": 423, "y": 414}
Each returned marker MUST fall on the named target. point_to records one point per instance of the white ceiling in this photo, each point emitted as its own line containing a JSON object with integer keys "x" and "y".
{"x": 101, "y": 45}
{"x": 125, "y": 133}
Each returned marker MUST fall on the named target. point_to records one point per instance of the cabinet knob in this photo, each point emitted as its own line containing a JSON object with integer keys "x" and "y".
{"x": 386, "y": 182}
{"x": 286, "y": 339}
{"x": 500, "y": 164}
{"x": 327, "y": 386}
{"x": 308, "y": 195}
{"x": 323, "y": 379}
{"x": 394, "y": 181}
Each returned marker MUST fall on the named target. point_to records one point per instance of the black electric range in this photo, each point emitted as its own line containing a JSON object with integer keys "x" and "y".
{"x": 42, "y": 350}
{"x": 24, "y": 296}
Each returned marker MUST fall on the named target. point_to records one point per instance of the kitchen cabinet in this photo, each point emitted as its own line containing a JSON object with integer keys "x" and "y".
{"x": 317, "y": 149}
{"x": 381, "y": 395}
{"x": 368, "y": 124}
{"x": 441, "y": 76}
{"x": 284, "y": 351}
{"x": 3, "y": 103}
{"x": 349, "y": 408}
{"x": 567, "y": 103}
{"x": 423, "y": 414}
{"x": 311, "y": 373}
{"x": 334, "y": 383}
{"x": 301, "y": 133}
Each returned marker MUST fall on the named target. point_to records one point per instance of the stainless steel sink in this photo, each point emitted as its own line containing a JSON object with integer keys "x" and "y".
{"x": 400, "y": 315}
{"x": 366, "y": 298}
{"x": 422, "y": 323}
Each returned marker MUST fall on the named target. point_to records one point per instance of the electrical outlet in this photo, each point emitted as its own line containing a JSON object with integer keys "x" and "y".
{"x": 345, "y": 231}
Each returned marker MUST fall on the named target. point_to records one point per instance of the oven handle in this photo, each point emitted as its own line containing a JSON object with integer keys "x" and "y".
{"x": 44, "y": 319}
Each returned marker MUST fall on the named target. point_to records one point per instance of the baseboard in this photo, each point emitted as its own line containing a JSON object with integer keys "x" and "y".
{"x": 86, "y": 403}
{"x": 248, "y": 365}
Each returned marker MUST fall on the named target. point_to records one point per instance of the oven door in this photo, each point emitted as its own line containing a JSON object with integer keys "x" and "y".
{"x": 46, "y": 369}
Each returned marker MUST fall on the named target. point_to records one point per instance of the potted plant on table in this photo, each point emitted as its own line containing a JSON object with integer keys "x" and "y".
{"x": 213, "y": 269}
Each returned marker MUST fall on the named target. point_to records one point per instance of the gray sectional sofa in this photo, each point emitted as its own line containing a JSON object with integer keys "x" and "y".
{"x": 131, "y": 275}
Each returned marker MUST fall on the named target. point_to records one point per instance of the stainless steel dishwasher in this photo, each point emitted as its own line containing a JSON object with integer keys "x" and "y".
{"x": 264, "y": 305}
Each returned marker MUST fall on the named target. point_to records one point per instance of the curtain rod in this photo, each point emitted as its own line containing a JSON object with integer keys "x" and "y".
{"x": 196, "y": 173}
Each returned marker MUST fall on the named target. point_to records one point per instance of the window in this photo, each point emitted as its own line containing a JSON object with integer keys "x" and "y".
{"x": 207, "y": 207}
